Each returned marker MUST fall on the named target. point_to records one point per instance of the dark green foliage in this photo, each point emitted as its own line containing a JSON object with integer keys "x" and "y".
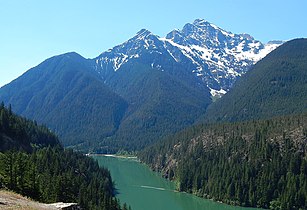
{"x": 52, "y": 175}
{"x": 65, "y": 93}
{"x": 128, "y": 109}
{"x": 275, "y": 86}
{"x": 22, "y": 134}
{"x": 34, "y": 164}
{"x": 256, "y": 163}
{"x": 252, "y": 163}
{"x": 160, "y": 103}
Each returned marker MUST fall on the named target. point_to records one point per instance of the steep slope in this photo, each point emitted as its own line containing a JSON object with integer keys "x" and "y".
{"x": 163, "y": 98}
{"x": 10, "y": 200}
{"x": 65, "y": 93}
{"x": 159, "y": 103}
{"x": 277, "y": 85}
{"x": 206, "y": 51}
{"x": 17, "y": 133}
{"x": 258, "y": 163}
{"x": 255, "y": 163}
{"x": 136, "y": 92}
{"x": 216, "y": 56}
{"x": 33, "y": 163}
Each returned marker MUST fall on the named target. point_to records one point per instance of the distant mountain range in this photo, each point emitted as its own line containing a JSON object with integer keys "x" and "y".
{"x": 136, "y": 92}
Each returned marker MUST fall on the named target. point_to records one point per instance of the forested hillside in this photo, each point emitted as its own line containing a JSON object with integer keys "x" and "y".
{"x": 160, "y": 103}
{"x": 67, "y": 95}
{"x": 255, "y": 163}
{"x": 249, "y": 162}
{"x": 275, "y": 86}
{"x": 22, "y": 134}
{"x": 128, "y": 110}
{"x": 34, "y": 164}
{"x": 137, "y": 92}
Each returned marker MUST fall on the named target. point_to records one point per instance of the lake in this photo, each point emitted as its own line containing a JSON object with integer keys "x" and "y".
{"x": 144, "y": 189}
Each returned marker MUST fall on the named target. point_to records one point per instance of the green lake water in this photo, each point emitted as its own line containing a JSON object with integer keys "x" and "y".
{"x": 144, "y": 189}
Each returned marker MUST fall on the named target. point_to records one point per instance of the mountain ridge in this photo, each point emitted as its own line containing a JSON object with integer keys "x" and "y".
{"x": 94, "y": 103}
{"x": 58, "y": 91}
{"x": 276, "y": 85}
{"x": 252, "y": 143}
{"x": 197, "y": 47}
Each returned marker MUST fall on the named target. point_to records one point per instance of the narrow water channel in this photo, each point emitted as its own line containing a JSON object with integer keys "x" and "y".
{"x": 143, "y": 189}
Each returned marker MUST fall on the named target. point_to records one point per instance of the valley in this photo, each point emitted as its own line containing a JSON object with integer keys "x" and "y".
{"x": 157, "y": 84}
{"x": 221, "y": 116}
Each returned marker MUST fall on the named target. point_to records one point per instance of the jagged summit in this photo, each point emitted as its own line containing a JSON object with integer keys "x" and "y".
{"x": 247, "y": 36}
{"x": 203, "y": 24}
{"x": 143, "y": 32}
{"x": 146, "y": 87}
{"x": 144, "y": 41}
{"x": 200, "y": 22}
{"x": 175, "y": 36}
{"x": 205, "y": 50}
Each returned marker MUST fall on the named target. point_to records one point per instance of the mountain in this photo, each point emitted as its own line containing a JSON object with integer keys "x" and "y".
{"x": 162, "y": 98}
{"x": 275, "y": 86}
{"x": 66, "y": 94}
{"x": 137, "y": 92}
{"x": 260, "y": 162}
{"x": 159, "y": 104}
{"x": 204, "y": 50}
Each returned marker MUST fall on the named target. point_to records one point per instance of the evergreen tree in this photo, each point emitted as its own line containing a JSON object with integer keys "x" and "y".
{"x": 255, "y": 163}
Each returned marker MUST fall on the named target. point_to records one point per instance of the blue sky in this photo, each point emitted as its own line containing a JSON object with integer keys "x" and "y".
{"x": 34, "y": 30}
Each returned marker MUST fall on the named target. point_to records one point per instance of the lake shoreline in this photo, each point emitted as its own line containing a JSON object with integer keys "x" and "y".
{"x": 191, "y": 193}
{"x": 136, "y": 180}
{"x": 114, "y": 155}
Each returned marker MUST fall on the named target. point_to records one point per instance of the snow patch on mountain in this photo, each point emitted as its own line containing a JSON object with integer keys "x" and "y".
{"x": 217, "y": 93}
{"x": 216, "y": 56}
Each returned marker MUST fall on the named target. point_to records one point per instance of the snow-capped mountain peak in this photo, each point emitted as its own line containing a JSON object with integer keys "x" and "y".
{"x": 143, "y": 33}
{"x": 201, "y": 22}
{"x": 211, "y": 53}
{"x": 113, "y": 59}
{"x": 205, "y": 25}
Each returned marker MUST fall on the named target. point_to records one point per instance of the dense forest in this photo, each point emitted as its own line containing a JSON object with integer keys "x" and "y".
{"x": 21, "y": 134}
{"x": 275, "y": 86}
{"x": 255, "y": 163}
{"x": 33, "y": 163}
{"x": 128, "y": 110}
{"x": 65, "y": 93}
